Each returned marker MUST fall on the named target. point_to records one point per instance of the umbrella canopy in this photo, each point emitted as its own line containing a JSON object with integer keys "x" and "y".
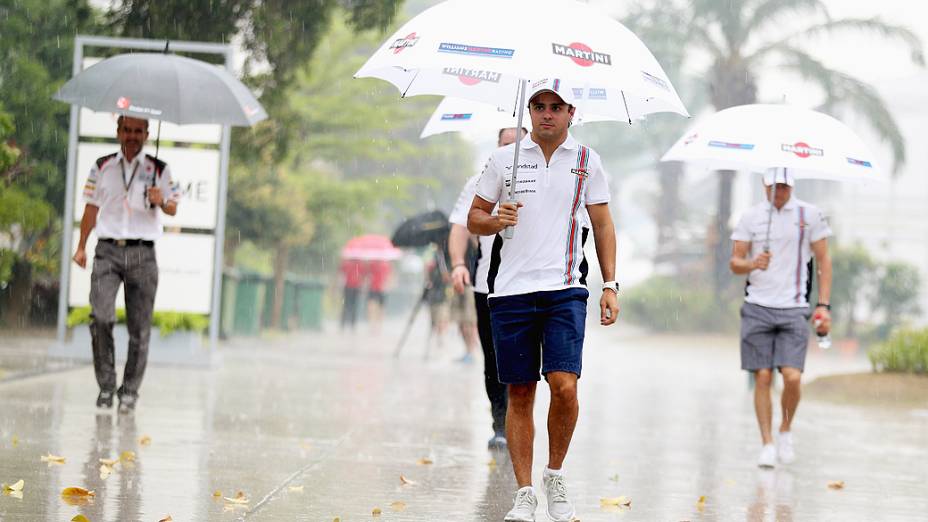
{"x": 758, "y": 137}
{"x": 422, "y": 229}
{"x": 371, "y": 247}
{"x": 481, "y": 49}
{"x": 165, "y": 87}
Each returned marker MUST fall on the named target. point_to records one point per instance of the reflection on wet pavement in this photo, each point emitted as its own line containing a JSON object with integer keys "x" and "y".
{"x": 324, "y": 426}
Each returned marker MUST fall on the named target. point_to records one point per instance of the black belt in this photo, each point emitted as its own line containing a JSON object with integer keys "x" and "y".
{"x": 128, "y": 242}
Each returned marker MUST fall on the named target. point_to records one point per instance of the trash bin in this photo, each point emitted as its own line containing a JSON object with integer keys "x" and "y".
{"x": 308, "y": 301}
{"x": 230, "y": 280}
{"x": 249, "y": 304}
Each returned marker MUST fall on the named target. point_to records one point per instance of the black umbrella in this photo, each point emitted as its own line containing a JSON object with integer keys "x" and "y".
{"x": 422, "y": 230}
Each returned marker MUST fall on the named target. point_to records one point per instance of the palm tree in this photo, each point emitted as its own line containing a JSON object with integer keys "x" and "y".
{"x": 743, "y": 38}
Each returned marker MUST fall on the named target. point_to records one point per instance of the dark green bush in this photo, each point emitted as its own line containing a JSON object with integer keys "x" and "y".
{"x": 166, "y": 322}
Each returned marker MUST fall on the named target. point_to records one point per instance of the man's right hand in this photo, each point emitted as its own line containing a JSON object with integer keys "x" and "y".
{"x": 80, "y": 257}
{"x": 460, "y": 278}
{"x": 762, "y": 261}
{"x": 508, "y": 214}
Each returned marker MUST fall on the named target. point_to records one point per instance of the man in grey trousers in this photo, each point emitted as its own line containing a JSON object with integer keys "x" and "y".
{"x": 775, "y": 248}
{"x": 125, "y": 195}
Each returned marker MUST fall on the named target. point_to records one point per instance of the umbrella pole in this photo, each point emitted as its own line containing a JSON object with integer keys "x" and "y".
{"x": 157, "y": 150}
{"x": 507, "y": 233}
{"x": 773, "y": 195}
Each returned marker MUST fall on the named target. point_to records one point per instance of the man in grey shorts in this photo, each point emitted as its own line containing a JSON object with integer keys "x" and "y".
{"x": 775, "y": 314}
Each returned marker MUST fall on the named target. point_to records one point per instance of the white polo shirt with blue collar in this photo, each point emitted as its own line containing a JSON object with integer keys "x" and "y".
{"x": 787, "y": 282}
{"x": 545, "y": 251}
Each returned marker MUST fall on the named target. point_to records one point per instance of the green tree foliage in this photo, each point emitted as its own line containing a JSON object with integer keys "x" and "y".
{"x": 852, "y": 271}
{"x": 896, "y": 293}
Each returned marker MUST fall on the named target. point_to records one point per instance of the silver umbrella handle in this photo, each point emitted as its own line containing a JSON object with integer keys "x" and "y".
{"x": 523, "y": 85}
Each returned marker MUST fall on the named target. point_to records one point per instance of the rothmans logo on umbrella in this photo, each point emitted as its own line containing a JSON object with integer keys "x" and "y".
{"x": 581, "y": 54}
{"x": 125, "y": 104}
{"x": 803, "y": 150}
{"x": 472, "y": 76}
{"x": 401, "y": 43}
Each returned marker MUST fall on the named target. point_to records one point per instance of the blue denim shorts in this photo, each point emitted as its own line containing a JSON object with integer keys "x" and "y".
{"x": 539, "y": 330}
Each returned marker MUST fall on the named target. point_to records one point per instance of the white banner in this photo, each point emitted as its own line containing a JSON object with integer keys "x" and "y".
{"x": 196, "y": 171}
{"x": 185, "y": 273}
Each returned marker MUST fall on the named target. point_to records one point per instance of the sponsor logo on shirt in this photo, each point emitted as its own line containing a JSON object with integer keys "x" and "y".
{"x": 475, "y": 50}
{"x": 472, "y": 76}
{"x": 730, "y": 145}
{"x": 525, "y": 166}
{"x": 581, "y": 172}
{"x": 581, "y": 54}
{"x": 803, "y": 150}
{"x": 410, "y": 40}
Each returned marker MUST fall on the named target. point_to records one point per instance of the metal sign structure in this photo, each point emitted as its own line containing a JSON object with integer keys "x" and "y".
{"x": 207, "y": 205}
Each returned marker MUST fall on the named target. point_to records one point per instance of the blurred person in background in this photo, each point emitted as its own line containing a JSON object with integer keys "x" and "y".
{"x": 352, "y": 272}
{"x": 775, "y": 313}
{"x": 378, "y": 273}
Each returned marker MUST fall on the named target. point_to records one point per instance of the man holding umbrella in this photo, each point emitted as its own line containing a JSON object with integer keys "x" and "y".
{"x": 125, "y": 195}
{"x": 774, "y": 248}
{"x": 537, "y": 302}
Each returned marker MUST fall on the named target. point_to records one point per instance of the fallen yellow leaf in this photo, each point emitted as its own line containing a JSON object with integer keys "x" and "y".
{"x": 295, "y": 489}
{"x": 425, "y": 462}
{"x": 701, "y": 503}
{"x": 492, "y": 462}
{"x": 127, "y": 456}
{"x": 376, "y": 512}
{"x": 76, "y": 496}
{"x": 167, "y": 519}
{"x": 398, "y": 506}
{"x": 105, "y": 471}
{"x": 145, "y": 440}
{"x": 239, "y": 498}
{"x": 836, "y": 484}
{"x": 406, "y": 482}
{"x": 217, "y": 494}
{"x": 52, "y": 459}
{"x": 80, "y": 518}
{"x": 109, "y": 462}
{"x": 16, "y": 486}
{"x": 336, "y": 519}
{"x": 15, "y": 441}
{"x": 621, "y": 501}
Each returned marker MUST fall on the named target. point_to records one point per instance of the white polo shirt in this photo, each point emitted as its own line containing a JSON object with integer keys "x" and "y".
{"x": 787, "y": 281}
{"x": 546, "y": 249}
{"x": 122, "y": 199}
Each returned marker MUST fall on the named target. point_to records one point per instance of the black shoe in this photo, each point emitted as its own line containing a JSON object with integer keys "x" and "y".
{"x": 105, "y": 399}
{"x": 127, "y": 404}
{"x": 497, "y": 442}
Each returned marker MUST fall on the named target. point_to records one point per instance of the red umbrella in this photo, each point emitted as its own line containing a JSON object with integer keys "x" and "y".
{"x": 371, "y": 247}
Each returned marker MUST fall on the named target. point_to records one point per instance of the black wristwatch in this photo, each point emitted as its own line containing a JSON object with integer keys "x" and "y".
{"x": 826, "y": 306}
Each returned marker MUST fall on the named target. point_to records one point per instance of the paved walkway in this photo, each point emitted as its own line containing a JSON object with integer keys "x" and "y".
{"x": 323, "y": 426}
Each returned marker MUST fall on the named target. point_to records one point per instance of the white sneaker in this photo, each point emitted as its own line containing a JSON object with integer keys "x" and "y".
{"x": 559, "y": 508}
{"x": 523, "y": 507}
{"x": 785, "y": 450}
{"x": 768, "y": 456}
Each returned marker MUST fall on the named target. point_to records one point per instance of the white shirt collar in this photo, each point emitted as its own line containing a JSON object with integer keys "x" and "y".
{"x": 570, "y": 143}
{"x": 121, "y": 157}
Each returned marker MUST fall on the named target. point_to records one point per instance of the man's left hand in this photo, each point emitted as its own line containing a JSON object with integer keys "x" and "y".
{"x": 155, "y": 196}
{"x": 821, "y": 319}
{"x": 608, "y": 308}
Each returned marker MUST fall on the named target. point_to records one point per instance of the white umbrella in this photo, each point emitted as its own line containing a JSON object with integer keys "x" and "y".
{"x": 759, "y": 137}
{"x": 779, "y": 138}
{"x": 503, "y": 44}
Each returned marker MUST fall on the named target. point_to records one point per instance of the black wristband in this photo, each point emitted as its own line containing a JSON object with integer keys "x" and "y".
{"x": 824, "y": 305}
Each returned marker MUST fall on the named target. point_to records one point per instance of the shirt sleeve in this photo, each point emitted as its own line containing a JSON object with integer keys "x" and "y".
{"x": 92, "y": 191}
{"x": 169, "y": 188}
{"x": 490, "y": 184}
{"x": 465, "y": 199}
{"x": 742, "y": 231}
{"x": 597, "y": 190}
{"x": 818, "y": 225}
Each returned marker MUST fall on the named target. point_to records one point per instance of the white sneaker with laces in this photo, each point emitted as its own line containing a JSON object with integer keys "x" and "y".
{"x": 785, "y": 450}
{"x": 768, "y": 456}
{"x": 559, "y": 508}
{"x": 523, "y": 507}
